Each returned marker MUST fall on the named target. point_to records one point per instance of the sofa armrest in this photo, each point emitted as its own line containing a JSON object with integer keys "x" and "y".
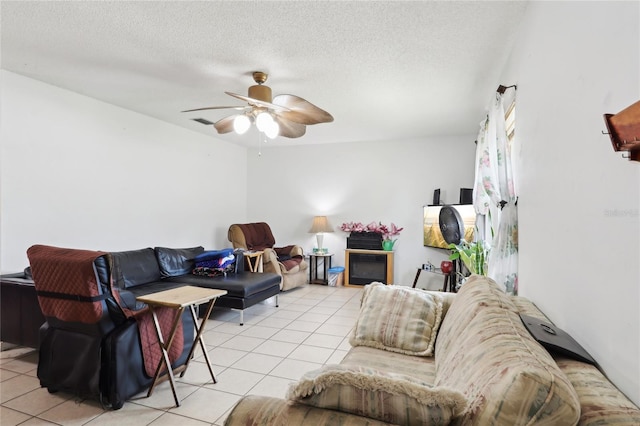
{"x": 253, "y": 410}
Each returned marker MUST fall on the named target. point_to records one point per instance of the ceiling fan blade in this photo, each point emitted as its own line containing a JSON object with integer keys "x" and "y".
{"x": 225, "y": 125}
{"x": 301, "y": 111}
{"x": 217, "y": 107}
{"x": 290, "y": 129}
{"x": 257, "y": 102}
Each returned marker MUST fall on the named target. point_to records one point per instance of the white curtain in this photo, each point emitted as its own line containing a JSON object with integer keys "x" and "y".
{"x": 495, "y": 197}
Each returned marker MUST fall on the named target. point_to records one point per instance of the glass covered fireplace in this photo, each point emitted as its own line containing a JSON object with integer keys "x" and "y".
{"x": 366, "y": 266}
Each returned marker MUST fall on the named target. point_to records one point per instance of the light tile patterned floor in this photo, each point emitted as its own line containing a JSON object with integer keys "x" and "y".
{"x": 274, "y": 347}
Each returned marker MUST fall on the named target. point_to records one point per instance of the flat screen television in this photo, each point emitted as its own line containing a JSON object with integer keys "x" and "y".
{"x": 431, "y": 224}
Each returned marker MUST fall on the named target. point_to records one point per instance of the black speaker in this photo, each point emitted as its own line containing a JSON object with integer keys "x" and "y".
{"x": 436, "y": 197}
{"x": 466, "y": 196}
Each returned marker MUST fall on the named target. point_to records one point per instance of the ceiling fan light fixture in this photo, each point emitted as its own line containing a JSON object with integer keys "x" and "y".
{"x": 272, "y": 130}
{"x": 263, "y": 121}
{"x": 241, "y": 124}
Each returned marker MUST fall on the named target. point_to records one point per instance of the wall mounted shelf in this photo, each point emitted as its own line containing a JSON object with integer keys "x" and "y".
{"x": 624, "y": 130}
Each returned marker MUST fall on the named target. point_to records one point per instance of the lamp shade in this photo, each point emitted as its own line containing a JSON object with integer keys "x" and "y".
{"x": 320, "y": 224}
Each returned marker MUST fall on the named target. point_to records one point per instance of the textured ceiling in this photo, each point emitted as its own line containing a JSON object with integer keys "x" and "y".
{"x": 385, "y": 70}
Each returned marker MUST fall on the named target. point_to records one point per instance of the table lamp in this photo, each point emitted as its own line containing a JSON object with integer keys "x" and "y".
{"x": 319, "y": 226}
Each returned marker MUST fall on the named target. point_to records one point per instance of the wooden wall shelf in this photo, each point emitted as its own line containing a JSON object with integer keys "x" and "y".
{"x": 624, "y": 130}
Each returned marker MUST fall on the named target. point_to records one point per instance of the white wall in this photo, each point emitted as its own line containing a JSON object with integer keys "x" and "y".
{"x": 361, "y": 182}
{"x": 76, "y": 172}
{"x": 579, "y": 201}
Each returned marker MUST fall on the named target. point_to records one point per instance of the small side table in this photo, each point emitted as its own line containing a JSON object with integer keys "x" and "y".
{"x": 449, "y": 279}
{"x": 313, "y": 268}
{"x": 179, "y": 299}
{"x": 254, "y": 259}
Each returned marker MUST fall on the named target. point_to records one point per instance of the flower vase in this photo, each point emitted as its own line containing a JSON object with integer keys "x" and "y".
{"x": 387, "y": 245}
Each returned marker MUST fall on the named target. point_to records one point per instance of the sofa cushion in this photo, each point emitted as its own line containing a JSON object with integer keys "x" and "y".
{"x": 398, "y": 319}
{"x": 421, "y": 368}
{"x": 135, "y": 267}
{"x": 175, "y": 262}
{"x": 390, "y": 397}
{"x": 485, "y": 352}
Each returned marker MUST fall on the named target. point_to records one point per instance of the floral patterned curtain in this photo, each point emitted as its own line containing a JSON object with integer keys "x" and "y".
{"x": 495, "y": 198}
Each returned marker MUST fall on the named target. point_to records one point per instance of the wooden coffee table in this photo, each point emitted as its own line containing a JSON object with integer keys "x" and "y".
{"x": 179, "y": 299}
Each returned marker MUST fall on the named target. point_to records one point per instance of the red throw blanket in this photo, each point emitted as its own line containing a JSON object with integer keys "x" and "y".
{"x": 68, "y": 289}
{"x": 149, "y": 340}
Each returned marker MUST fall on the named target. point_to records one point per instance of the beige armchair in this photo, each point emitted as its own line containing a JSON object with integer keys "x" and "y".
{"x": 288, "y": 262}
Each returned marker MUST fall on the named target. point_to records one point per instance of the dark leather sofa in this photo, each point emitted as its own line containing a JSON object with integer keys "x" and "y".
{"x": 104, "y": 360}
{"x": 144, "y": 271}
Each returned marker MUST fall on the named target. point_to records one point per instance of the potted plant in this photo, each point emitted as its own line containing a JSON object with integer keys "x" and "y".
{"x": 386, "y": 232}
{"x": 472, "y": 254}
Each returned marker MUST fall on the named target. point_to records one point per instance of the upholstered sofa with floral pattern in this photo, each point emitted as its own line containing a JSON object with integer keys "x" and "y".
{"x": 433, "y": 358}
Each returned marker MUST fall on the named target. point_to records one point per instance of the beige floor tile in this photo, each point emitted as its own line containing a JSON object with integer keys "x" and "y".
{"x": 10, "y": 417}
{"x": 345, "y": 345}
{"x": 17, "y": 386}
{"x": 323, "y": 341}
{"x": 334, "y": 330}
{"x": 6, "y": 375}
{"x": 224, "y": 314}
{"x": 242, "y": 343}
{"x": 271, "y": 347}
{"x": 293, "y": 369}
{"x": 311, "y": 354}
{"x": 37, "y": 401}
{"x": 259, "y": 332}
{"x": 170, "y": 419}
{"x": 311, "y": 317}
{"x": 162, "y": 397}
{"x": 271, "y": 386}
{"x": 35, "y": 421}
{"x": 22, "y": 365}
{"x": 73, "y": 412}
{"x": 206, "y": 405}
{"x": 290, "y": 336}
{"x": 257, "y": 363}
{"x": 216, "y": 338}
{"x": 198, "y": 373}
{"x": 236, "y": 381}
{"x": 323, "y": 309}
{"x": 225, "y": 356}
{"x": 286, "y": 314}
{"x": 253, "y": 319}
{"x": 306, "y": 302}
{"x": 296, "y": 307}
{"x": 220, "y": 421}
{"x": 275, "y": 322}
{"x": 303, "y": 326}
{"x": 10, "y": 352}
{"x": 333, "y": 302}
{"x": 233, "y": 328}
{"x": 130, "y": 414}
{"x": 336, "y": 357}
{"x": 338, "y": 320}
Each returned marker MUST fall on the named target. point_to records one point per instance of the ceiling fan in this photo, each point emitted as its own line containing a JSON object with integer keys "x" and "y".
{"x": 284, "y": 115}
